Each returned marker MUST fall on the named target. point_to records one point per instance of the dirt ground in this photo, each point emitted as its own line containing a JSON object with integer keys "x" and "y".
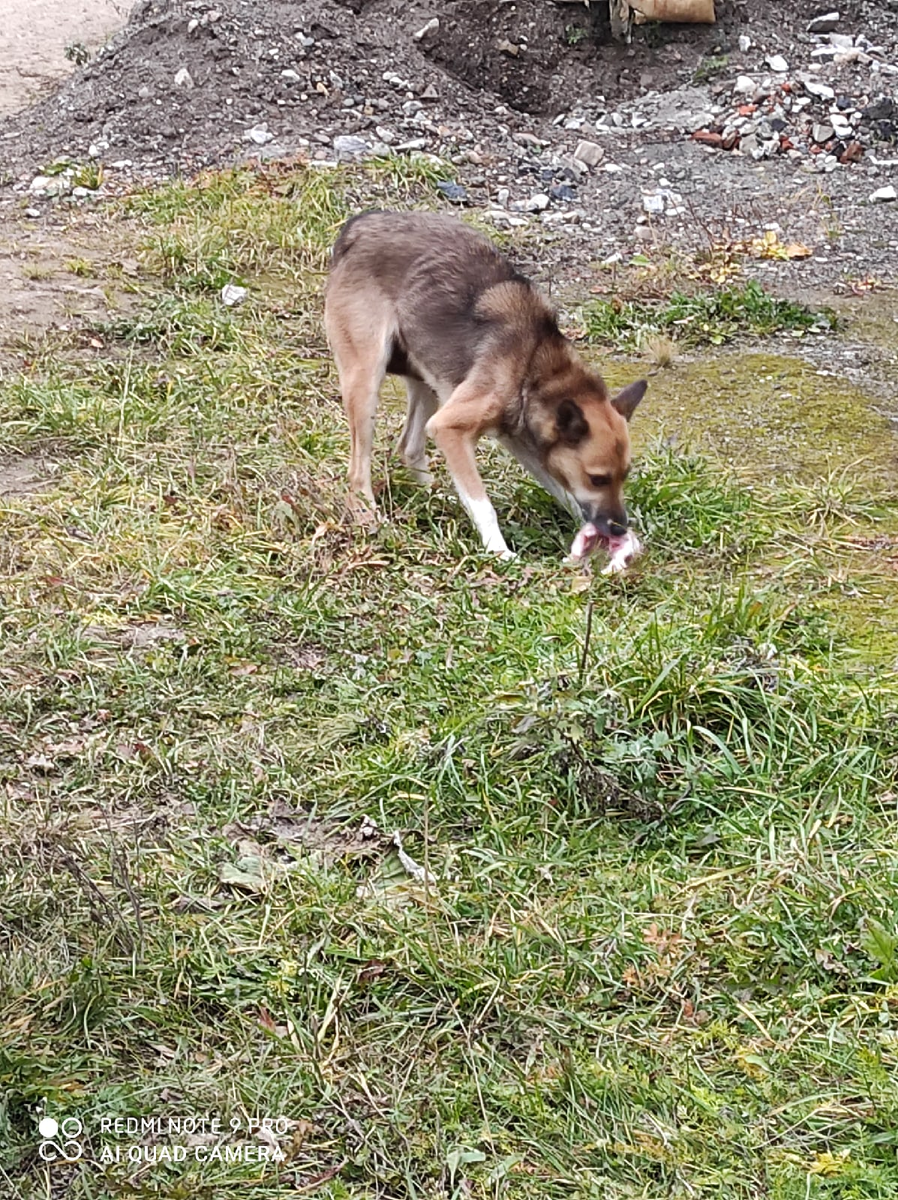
{"x": 35, "y": 36}
{"x": 502, "y": 93}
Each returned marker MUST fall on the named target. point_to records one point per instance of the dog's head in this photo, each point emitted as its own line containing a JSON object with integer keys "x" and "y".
{"x": 590, "y": 452}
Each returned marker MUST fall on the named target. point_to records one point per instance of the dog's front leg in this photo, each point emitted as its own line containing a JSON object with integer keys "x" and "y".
{"x": 456, "y": 429}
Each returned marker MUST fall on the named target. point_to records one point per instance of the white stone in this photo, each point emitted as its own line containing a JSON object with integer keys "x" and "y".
{"x": 744, "y": 43}
{"x": 744, "y": 85}
{"x": 347, "y": 146}
{"x": 431, "y": 27}
{"x": 653, "y": 204}
{"x": 884, "y": 194}
{"x": 183, "y": 78}
{"x": 777, "y": 63}
{"x": 825, "y": 23}
{"x": 590, "y": 153}
{"x": 232, "y": 294}
{"x": 260, "y": 134}
{"x": 821, "y": 90}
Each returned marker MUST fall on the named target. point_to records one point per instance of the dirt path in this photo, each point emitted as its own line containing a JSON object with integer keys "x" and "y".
{"x": 34, "y": 38}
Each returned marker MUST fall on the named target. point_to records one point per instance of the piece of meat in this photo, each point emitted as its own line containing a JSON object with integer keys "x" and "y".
{"x": 622, "y": 550}
{"x": 585, "y": 542}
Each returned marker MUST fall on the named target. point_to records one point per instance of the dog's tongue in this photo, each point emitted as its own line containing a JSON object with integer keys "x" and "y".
{"x": 622, "y": 550}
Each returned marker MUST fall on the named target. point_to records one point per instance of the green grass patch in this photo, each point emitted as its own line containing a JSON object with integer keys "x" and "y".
{"x": 701, "y": 318}
{"x": 649, "y": 946}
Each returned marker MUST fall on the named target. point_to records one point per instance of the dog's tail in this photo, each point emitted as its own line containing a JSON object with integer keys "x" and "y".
{"x": 349, "y": 234}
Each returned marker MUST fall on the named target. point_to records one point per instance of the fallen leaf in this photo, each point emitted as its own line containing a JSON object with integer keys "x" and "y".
{"x": 246, "y": 874}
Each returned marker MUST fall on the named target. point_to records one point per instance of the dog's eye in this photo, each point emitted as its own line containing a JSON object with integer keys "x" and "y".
{"x": 600, "y": 481}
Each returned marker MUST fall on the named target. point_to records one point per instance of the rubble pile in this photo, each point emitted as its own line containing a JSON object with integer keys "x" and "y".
{"x": 815, "y": 115}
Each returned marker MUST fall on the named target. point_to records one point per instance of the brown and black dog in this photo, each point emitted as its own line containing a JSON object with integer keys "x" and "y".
{"x": 424, "y": 296}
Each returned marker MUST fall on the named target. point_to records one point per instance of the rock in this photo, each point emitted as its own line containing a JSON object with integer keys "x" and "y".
{"x": 432, "y": 26}
{"x": 853, "y": 152}
{"x": 884, "y": 194}
{"x": 290, "y": 75}
{"x": 412, "y": 144}
{"x": 536, "y": 203}
{"x": 347, "y": 146}
{"x": 259, "y": 134}
{"x": 777, "y": 63}
{"x": 824, "y": 24}
{"x": 822, "y": 133}
{"x": 430, "y": 93}
{"x": 183, "y": 78}
{"x": 815, "y": 88}
{"x": 232, "y": 294}
{"x": 32, "y": 212}
{"x": 590, "y": 153}
{"x": 698, "y": 121}
{"x": 744, "y": 85}
{"x": 883, "y": 109}
{"x": 653, "y": 204}
{"x": 841, "y": 41}
{"x": 453, "y": 191}
{"x": 744, "y": 43}
{"x": 841, "y": 125}
{"x": 563, "y": 191}
{"x": 824, "y": 53}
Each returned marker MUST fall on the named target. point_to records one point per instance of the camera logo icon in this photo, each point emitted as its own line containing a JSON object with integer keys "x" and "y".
{"x": 60, "y": 1139}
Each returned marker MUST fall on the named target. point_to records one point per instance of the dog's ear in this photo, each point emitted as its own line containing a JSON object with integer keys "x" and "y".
{"x": 625, "y": 402}
{"x": 570, "y": 422}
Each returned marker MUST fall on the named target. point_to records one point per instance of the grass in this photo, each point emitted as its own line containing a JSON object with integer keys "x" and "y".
{"x": 650, "y": 946}
{"x": 708, "y": 317}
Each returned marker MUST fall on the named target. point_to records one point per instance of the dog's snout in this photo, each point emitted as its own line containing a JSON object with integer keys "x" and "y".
{"x": 608, "y": 526}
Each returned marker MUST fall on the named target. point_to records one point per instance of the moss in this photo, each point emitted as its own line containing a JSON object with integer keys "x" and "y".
{"x": 767, "y": 416}
{"x": 832, "y": 461}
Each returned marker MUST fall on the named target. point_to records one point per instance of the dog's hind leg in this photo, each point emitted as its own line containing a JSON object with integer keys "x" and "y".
{"x": 422, "y": 404}
{"x": 361, "y": 365}
{"x": 360, "y": 386}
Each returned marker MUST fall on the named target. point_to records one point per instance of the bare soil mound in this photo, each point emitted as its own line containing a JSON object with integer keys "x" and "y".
{"x": 698, "y": 134}
{"x": 185, "y": 78}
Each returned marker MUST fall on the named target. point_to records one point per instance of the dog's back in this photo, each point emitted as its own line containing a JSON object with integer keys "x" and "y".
{"x": 445, "y": 288}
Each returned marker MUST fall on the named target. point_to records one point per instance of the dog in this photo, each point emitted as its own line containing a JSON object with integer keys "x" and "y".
{"x": 424, "y": 296}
